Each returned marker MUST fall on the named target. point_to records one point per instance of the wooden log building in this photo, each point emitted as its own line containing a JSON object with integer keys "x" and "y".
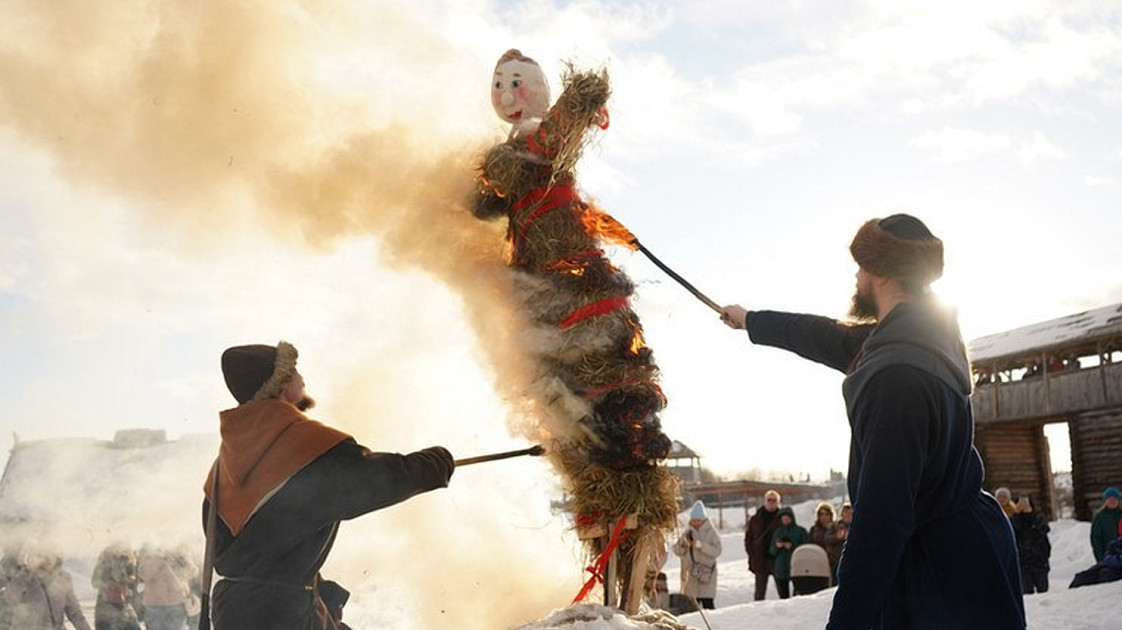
{"x": 1065, "y": 370}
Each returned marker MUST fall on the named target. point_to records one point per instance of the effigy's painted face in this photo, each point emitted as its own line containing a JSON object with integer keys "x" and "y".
{"x": 519, "y": 91}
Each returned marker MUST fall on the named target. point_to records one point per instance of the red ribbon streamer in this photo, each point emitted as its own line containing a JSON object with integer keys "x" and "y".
{"x": 593, "y": 309}
{"x": 546, "y": 199}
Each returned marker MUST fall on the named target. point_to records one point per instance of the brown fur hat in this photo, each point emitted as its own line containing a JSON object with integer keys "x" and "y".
{"x": 899, "y": 247}
{"x": 258, "y": 371}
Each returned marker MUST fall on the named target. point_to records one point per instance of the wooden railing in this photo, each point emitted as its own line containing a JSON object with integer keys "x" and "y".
{"x": 1049, "y": 395}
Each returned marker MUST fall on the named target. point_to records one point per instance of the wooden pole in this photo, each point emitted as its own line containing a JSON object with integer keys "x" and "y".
{"x": 679, "y": 279}
{"x": 533, "y": 451}
{"x": 610, "y": 578}
{"x": 637, "y": 578}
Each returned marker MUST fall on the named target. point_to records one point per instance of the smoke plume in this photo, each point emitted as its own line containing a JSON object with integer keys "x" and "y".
{"x": 317, "y": 122}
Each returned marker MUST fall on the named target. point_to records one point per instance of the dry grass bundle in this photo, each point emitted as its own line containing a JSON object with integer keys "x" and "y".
{"x": 652, "y": 493}
{"x": 588, "y": 95}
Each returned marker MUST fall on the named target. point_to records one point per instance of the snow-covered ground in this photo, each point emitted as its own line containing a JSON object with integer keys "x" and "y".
{"x": 532, "y": 597}
{"x": 1086, "y": 608}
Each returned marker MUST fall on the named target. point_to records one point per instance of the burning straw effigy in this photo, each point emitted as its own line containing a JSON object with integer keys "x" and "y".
{"x": 596, "y": 389}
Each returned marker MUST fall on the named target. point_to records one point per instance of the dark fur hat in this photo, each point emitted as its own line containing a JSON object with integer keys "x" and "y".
{"x": 258, "y": 371}
{"x": 899, "y": 247}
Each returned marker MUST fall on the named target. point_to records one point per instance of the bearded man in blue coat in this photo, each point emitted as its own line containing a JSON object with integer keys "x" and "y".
{"x": 928, "y": 548}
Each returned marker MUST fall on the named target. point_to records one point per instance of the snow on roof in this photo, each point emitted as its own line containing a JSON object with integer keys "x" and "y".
{"x": 106, "y": 489}
{"x": 1087, "y": 325}
{"x": 677, "y": 450}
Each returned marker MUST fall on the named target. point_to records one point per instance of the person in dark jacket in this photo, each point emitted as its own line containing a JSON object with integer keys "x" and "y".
{"x": 927, "y": 547}
{"x": 824, "y": 533}
{"x": 1033, "y": 546}
{"x": 757, "y": 538}
{"x": 284, "y": 483}
{"x": 114, "y": 576}
{"x": 1105, "y": 523}
{"x": 784, "y": 540}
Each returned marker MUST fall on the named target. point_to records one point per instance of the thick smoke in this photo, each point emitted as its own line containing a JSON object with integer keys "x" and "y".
{"x": 318, "y": 123}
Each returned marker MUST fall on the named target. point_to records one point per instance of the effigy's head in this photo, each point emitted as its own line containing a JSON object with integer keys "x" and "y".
{"x": 519, "y": 91}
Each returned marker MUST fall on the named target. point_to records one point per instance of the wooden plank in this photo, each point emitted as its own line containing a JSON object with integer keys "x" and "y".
{"x": 636, "y": 578}
{"x": 603, "y": 528}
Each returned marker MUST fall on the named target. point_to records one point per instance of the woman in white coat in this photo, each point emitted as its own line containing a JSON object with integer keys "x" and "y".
{"x": 698, "y": 547}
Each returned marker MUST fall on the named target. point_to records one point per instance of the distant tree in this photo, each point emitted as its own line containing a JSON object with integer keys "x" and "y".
{"x": 708, "y": 476}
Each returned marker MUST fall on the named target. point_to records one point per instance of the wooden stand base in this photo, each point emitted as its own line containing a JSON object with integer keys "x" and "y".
{"x": 631, "y": 594}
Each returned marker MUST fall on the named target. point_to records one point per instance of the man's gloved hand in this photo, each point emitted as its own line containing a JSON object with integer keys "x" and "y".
{"x": 444, "y": 460}
{"x": 735, "y": 316}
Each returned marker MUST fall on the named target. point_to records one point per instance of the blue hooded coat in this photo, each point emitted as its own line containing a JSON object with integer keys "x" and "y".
{"x": 927, "y": 549}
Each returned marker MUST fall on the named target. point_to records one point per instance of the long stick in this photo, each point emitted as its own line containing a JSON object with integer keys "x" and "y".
{"x": 533, "y": 451}
{"x": 682, "y": 281}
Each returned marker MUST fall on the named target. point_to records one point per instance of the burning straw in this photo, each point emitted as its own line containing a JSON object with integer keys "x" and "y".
{"x": 613, "y": 231}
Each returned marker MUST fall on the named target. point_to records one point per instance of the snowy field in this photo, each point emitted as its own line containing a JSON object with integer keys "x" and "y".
{"x": 1086, "y": 608}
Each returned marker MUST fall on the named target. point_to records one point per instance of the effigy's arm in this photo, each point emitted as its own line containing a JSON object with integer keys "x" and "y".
{"x": 560, "y": 136}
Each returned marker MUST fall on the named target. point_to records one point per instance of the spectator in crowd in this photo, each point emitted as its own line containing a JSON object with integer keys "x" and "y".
{"x": 757, "y": 539}
{"x": 184, "y": 565}
{"x": 40, "y": 594}
{"x": 9, "y": 566}
{"x": 1033, "y": 546}
{"x": 829, "y": 535}
{"x": 1005, "y": 500}
{"x": 1105, "y": 524}
{"x": 786, "y": 538}
{"x": 114, "y": 577}
{"x": 698, "y": 547}
{"x": 166, "y": 594}
{"x": 1109, "y": 569}
{"x": 824, "y": 533}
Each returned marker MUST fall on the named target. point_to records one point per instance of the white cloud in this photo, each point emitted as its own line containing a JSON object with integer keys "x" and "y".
{"x": 912, "y": 57}
{"x": 952, "y": 145}
{"x": 1039, "y": 149}
{"x": 1099, "y": 181}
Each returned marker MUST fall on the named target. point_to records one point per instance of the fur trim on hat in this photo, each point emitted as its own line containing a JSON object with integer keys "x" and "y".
{"x": 917, "y": 263}
{"x": 283, "y": 370}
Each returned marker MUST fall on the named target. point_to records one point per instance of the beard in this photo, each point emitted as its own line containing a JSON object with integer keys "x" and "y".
{"x": 863, "y": 308}
{"x": 305, "y": 403}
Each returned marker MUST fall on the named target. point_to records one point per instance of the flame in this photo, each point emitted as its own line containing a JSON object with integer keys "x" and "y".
{"x": 601, "y": 224}
{"x": 487, "y": 185}
{"x": 637, "y": 343}
{"x": 573, "y": 266}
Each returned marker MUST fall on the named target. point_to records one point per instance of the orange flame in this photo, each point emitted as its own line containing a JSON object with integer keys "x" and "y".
{"x": 602, "y": 225}
{"x": 637, "y": 342}
{"x": 489, "y": 186}
{"x": 571, "y": 266}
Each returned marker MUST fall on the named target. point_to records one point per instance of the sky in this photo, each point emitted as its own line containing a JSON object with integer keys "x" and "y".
{"x": 175, "y": 182}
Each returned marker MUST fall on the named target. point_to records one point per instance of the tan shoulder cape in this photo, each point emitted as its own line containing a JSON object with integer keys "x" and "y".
{"x": 264, "y": 443}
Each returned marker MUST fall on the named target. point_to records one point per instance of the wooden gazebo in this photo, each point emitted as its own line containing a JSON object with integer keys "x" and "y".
{"x": 1064, "y": 370}
{"x": 684, "y": 463}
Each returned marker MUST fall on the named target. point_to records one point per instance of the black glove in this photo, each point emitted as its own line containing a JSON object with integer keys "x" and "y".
{"x": 443, "y": 460}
